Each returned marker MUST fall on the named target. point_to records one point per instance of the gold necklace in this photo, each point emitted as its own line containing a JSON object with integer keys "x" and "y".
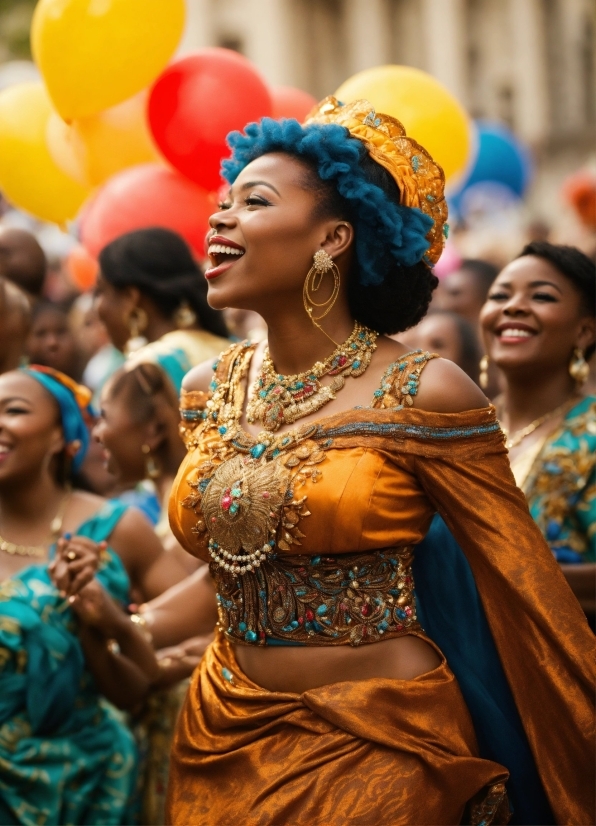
{"x": 278, "y": 400}
{"x": 519, "y": 435}
{"x": 37, "y": 550}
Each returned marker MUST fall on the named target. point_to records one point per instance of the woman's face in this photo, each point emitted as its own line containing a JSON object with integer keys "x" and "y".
{"x": 52, "y": 343}
{"x": 30, "y": 428}
{"x": 113, "y": 307}
{"x": 267, "y": 219}
{"x": 436, "y": 333}
{"x": 534, "y": 317}
{"x": 121, "y": 437}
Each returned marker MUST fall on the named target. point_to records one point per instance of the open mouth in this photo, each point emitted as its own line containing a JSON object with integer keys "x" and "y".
{"x": 513, "y": 334}
{"x": 223, "y": 253}
{"x": 4, "y": 451}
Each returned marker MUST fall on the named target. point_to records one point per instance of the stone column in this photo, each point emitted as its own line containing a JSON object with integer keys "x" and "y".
{"x": 444, "y": 25}
{"x": 368, "y": 34}
{"x": 198, "y": 32}
{"x": 529, "y": 70}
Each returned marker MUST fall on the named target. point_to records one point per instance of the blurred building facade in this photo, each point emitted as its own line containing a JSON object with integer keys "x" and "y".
{"x": 528, "y": 63}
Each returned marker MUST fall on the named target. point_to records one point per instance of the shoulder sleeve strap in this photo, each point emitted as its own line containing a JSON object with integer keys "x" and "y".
{"x": 401, "y": 379}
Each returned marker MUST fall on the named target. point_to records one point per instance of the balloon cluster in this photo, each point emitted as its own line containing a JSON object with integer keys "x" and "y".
{"x": 116, "y": 133}
{"x": 122, "y": 136}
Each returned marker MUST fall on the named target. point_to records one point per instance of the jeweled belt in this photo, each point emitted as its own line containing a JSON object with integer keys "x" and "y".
{"x": 347, "y": 599}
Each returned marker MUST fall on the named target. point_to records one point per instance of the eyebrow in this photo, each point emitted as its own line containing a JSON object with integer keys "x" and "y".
{"x": 261, "y": 183}
{"x": 532, "y": 284}
{"x": 15, "y": 399}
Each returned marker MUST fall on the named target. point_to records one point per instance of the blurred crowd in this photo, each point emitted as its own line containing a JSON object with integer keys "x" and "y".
{"x": 121, "y": 349}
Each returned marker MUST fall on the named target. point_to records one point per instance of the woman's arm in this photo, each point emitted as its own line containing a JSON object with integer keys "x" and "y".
{"x": 187, "y": 610}
{"x": 151, "y": 569}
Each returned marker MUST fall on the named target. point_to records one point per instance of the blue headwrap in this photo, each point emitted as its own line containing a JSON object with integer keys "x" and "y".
{"x": 73, "y": 401}
{"x": 382, "y": 226}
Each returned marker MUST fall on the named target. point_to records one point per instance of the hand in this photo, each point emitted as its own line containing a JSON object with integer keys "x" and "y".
{"x": 76, "y": 562}
{"x": 94, "y": 607}
{"x": 179, "y": 661}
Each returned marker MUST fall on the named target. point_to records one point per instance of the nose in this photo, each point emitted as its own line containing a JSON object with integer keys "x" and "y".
{"x": 222, "y": 218}
{"x": 516, "y": 305}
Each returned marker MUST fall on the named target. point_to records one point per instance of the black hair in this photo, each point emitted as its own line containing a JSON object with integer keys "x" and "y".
{"x": 159, "y": 263}
{"x": 484, "y": 274}
{"x": 470, "y": 352}
{"x": 575, "y": 266}
{"x": 403, "y": 297}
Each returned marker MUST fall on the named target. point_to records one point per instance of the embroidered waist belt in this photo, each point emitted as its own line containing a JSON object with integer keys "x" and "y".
{"x": 348, "y": 599}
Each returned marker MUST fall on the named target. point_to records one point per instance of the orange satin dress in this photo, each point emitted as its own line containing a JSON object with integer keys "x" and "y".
{"x": 378, "y": 750}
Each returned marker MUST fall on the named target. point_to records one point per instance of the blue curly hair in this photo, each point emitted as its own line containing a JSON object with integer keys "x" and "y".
{"x": 386, "y": 232}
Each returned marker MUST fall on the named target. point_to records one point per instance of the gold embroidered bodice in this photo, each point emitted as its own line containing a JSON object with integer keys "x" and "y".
{"x": 309, "y": 533}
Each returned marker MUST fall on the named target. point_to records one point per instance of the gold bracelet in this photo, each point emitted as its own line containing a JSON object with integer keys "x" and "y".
{"x": 143, "y": 626}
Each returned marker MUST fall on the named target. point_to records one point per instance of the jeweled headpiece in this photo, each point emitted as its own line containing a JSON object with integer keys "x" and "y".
{"x": 421, "y": 181}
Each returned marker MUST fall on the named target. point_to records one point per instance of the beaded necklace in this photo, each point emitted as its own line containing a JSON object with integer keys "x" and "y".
{"x": 278, "y": 400}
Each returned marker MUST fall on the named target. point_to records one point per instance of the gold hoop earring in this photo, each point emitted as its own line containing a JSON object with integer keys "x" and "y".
{"x": 185, "y": 316}
{"x": 152, "y": 469}
{"x": 483, "y": 376}
{"x": 136, "y": 321}
{"x": 579, "y": 369}
{"x": 322, "y": 264}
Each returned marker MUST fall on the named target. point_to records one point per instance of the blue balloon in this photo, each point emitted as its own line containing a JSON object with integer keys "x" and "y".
{"x": 502, "y": 159}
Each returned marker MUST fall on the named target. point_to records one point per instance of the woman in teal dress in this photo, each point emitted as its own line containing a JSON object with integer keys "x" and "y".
{"x": 539, "y": 329}
{"x": 66, "y": 756}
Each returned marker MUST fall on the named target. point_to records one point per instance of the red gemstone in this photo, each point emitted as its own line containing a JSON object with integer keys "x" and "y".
{"x": 300, "y": 620}
{"x": 342, "y": 361}
{"x": 343, "y": 606}
{"x": 309, "y": 615}
{"x": 365, "y": 610}
{"x": 266, "y": 494}
{"x": 226, "y": 501}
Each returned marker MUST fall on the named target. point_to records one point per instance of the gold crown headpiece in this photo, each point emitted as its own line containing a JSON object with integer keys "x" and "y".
{"x": 420, "y": 180}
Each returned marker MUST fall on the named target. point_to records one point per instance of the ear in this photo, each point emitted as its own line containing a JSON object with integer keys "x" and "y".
{"x": 339, "y": 236}
{"x": 131, "y": 297}
{"x": 57, "y": 443}
{"x": 155, "y": 433}
{"x": 587, "y": 333}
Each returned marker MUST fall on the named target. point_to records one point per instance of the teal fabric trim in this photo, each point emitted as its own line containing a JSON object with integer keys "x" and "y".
{"x": 66, "y": 755}
{"x": 397, "y": 429}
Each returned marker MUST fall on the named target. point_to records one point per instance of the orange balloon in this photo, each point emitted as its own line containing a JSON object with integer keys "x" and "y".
{"x": 291, "y": 103}
{"x": 82, "y": 268}
{"x": 92, "y": 149}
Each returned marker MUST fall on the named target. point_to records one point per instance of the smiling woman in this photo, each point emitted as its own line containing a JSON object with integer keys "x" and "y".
{"x": 316, "y": 462}
{"x": 539, "y": 330}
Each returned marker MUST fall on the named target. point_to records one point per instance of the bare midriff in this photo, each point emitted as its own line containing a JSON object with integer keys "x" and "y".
{"x": 296, "y": 669}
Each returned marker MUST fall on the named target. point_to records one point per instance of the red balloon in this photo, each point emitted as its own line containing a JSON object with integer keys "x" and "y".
{"x": 291, "y": 103}
{"x": 196, "y": 102}
{"x": 149, "y": 195}
{"x": 82, "y": 268}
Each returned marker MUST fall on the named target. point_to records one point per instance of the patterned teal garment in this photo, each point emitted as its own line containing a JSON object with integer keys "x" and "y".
{"x": 65, "y": 755}
{"x": 561, "y": 486}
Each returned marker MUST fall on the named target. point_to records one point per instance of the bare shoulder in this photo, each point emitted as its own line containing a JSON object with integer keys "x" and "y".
{"x": 133, "y": 538}
{"x": 199, "y": 378}
{"x": 445, "y": 388}
{"x": 83, "y": 507}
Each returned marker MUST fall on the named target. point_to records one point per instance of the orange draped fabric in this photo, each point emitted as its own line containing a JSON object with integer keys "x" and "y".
{"x": 377, "y": 488}
{"x": 367, "y": 752}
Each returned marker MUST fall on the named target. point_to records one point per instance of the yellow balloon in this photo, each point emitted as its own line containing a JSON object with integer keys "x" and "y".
{"x": 28, "y": 176}
{"x": 93, "y": 149}
{"x": 96, "y": 53}
{"x": 429, "y": 112}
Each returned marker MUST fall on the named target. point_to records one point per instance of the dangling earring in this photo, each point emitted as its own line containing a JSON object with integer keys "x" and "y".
{"x": 483, "y": 377}
{"x": 579, "y": 369}
{"x": 152, "y": 469}
{"x": 185, "y": 316}
{"x": 322, "y": 263}
{"x": 136, "y": 322}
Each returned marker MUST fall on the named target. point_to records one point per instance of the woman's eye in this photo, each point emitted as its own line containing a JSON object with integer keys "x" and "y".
{"x": 16, "y": 411}
{"x": 224, "y": 205}
{"x": 498, "y": 296}
{"x": 544, "y": 297}
{"x": 256, "y": 200}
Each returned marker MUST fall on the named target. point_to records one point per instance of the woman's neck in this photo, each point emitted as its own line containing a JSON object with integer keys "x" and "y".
{"x": 157, "y": 326}
{"x": 295, "y": 343}
{"x": 33, "y": 501}
{"x": 525, "y": 398}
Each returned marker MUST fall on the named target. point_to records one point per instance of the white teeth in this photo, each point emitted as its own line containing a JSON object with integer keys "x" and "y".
{"x": 4, "y": 449}
{"x": 513, "y": 333}
{"x": 219, "y": 248}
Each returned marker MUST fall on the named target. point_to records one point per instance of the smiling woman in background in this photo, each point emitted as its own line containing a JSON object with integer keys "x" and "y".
{"x": 539, "y": 329}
